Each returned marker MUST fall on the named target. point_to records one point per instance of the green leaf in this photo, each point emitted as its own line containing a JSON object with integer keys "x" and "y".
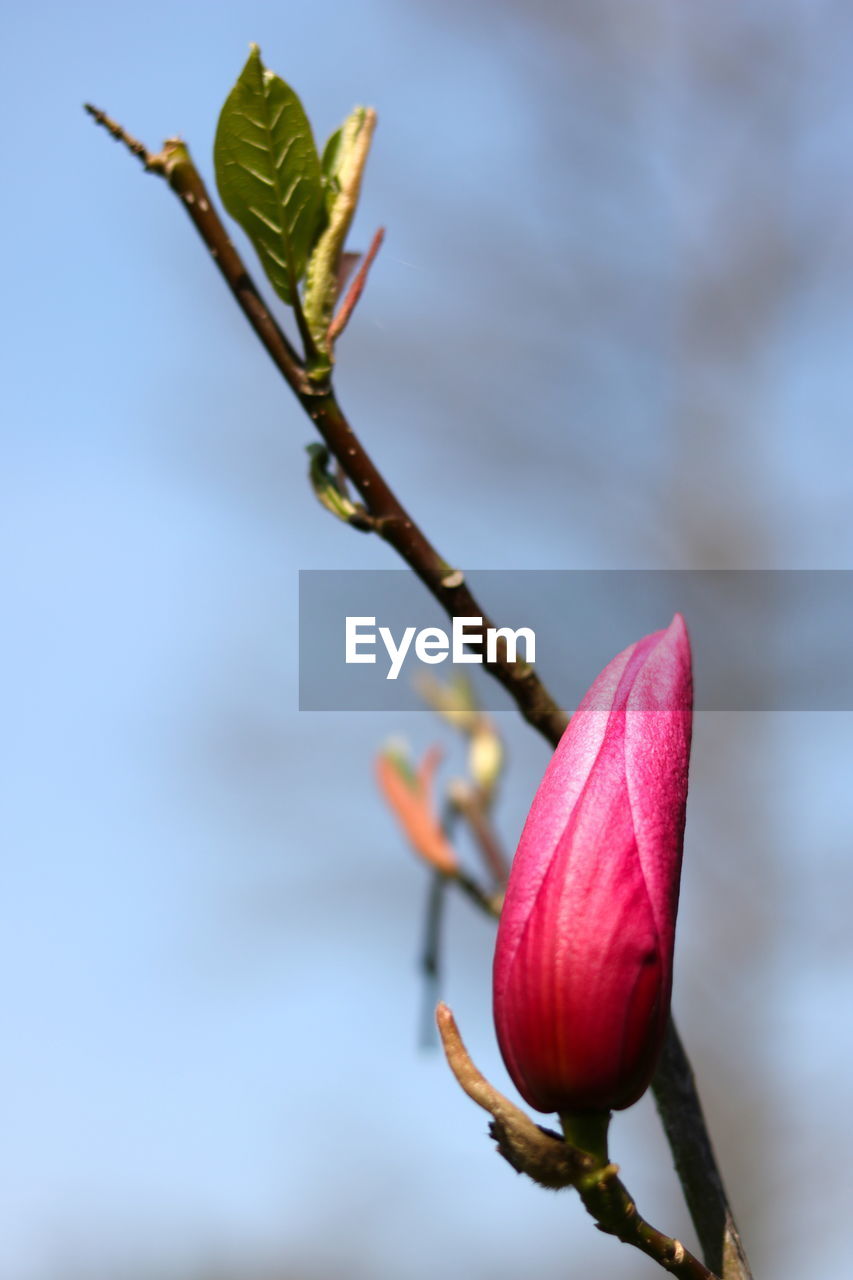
{"x": 329, "y": 165}
{"x": 325, "y": 487}
{"x": 268, "y": 173}
{"x": 344, "y": 158}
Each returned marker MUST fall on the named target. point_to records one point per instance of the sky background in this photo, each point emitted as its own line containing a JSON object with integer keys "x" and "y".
{"x": 610, "y": 328}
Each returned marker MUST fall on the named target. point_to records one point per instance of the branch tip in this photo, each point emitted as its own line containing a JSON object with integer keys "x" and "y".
{"x": 118, "y": 132}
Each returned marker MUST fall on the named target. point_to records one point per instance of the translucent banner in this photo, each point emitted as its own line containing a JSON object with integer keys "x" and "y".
{"x": 763, "y": 640}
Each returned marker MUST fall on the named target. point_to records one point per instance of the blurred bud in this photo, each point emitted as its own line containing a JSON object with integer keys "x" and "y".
{"x": 454, "y": 700}
{"x": 485, "y": 756}
{"x": 409, "y": 796}
{"x": 583, "y": 960}
{"x": 330, "y": 492}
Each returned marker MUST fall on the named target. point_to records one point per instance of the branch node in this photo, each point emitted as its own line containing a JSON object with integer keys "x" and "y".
{"x": 529, "y": 1149}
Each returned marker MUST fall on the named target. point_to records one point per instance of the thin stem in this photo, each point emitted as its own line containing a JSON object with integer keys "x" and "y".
{"x": 490, "y": 903}
{"x": 468, "y": 801}
{"x": 175, "y": 165}
{"x": 120, "y": 134}
{"x": 588, "y": 1133}
{"x": 684, "y": 1123}
{"x": 431, "y": 954}
{"x": 607, "y": 1200}
{"x": 446, "y": 584}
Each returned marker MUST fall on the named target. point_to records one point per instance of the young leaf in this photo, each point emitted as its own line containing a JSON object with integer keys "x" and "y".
{"x": 328, "y": 492}
{"x": 329, "y": 163}
{"x": 268, "y": 173}
{"x": 344, "y": 158}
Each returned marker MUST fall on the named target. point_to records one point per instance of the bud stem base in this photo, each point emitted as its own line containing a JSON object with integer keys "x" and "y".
{"x": 588, "y": 1132}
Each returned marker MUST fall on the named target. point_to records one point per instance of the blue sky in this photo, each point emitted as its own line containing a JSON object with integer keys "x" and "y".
{"x": 610, "y": 328}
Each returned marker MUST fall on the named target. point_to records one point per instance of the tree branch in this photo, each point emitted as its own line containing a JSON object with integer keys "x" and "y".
{"x": 683, "y": 1120}
{"x": 175, "y": 165}
{"x": 393, "y": 521}
{"x": 468, "y": 802}
{"x": 675, "y": 1090}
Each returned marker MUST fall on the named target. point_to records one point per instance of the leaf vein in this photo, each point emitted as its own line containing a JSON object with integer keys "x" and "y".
{"x": 255, "y": 173}
{"x": 269, "y": 222}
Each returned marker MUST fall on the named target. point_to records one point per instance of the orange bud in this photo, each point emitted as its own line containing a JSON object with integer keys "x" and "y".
{"x": 409, "y": 796}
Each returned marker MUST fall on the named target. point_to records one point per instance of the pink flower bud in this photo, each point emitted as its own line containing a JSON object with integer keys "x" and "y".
{"x": 583, "y": 960}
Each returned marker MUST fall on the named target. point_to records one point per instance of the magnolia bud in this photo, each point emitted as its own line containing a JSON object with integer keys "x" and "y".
{"x": 583, "y": 960}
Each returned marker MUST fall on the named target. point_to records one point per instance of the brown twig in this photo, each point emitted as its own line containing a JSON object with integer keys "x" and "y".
{"x": 539, "y": 1153}
{"x": 554, "y": 1163}
{"x": 468, "y": 802}
{"x": 706, "y": 1197}
{"x": 393, "y": 522}
{"x": 490, "y": 903}
{"x": 431, "y": 955}
{"x": 174, "y": 164}
{"x": 446, "y": 584}
{"x": 356, "y": 289}
{"x": 120, "y": 134}
{"x": 681, "y": 1114}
